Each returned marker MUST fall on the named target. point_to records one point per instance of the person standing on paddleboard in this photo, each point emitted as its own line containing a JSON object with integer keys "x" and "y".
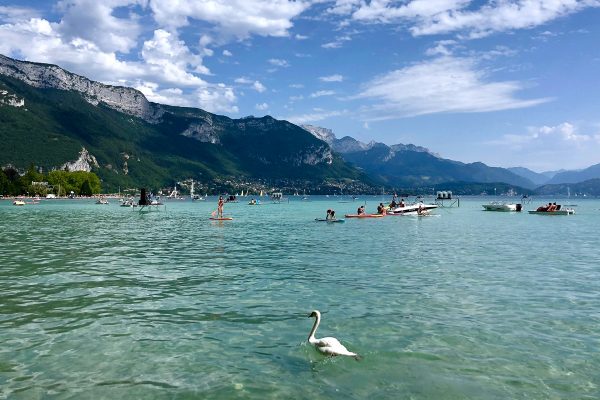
{"x": 220, "y": 205}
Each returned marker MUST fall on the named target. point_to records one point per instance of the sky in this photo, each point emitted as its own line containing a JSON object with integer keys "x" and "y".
{"x": 505, "y": 82}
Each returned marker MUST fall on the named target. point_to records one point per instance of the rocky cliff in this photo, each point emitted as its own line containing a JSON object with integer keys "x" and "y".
{"x": 47, "y": 76}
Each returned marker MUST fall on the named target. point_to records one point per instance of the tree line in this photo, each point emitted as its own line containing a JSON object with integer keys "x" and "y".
{"x": 60, "y": 183}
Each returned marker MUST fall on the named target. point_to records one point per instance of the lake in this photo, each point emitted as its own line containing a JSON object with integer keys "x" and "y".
{"x": 100, "y": 301}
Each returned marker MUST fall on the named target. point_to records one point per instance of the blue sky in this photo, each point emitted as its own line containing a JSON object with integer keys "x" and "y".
{"x": 506, "y": 82}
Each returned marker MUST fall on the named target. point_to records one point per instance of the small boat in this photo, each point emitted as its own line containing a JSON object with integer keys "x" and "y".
{"x": 128, "y": 203}
{"x": 566, "y": 211}
{"x": 221, "y": 219}
{"x": 556, "y": 209}
{"x": 18, "y": 203}
{"x": 102, "y": 200}
{"x": 364, "y": 215}
{"x": 412, "y": 208}
{"x": 501, "y": 206}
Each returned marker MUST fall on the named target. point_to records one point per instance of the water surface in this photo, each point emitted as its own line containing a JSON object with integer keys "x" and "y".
{"x": 104, "y": 302}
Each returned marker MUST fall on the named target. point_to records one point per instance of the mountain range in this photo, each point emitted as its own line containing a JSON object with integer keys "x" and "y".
{"x": 407, "y": 165}
{"x": 55, "y": 119}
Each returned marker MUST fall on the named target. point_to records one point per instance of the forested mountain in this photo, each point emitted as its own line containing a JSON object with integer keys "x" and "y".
{"x": 52, "y": 118}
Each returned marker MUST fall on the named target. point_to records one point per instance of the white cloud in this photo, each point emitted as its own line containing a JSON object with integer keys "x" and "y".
{"x": 500, "y": 16}
{"x": 296, "y": 98}
{"x": 94, "y": 22}
{"x": 231, "y": 18}
{"x": 219, "y": 98}
{"x": 165, "y": 74}
{"x": 551, "y": 146}
{"x": 344, "y": 7}
{"x": 262, "y": 106}
{"x": 441, "y": 48}
{"x": 15, "y": 14}
{"x": 213, "y": 98}
{"x": 301, "y": 37}
{"x": 321, "y": 93}
{"x": 444, "y": 84}
{"x": 332, "y": 78}
{"x": 227, "y": 53}
{"x": 169, "y": 53}
{"x": 563, "y": 133}
{"x": 259, "y": 87}
{"x": 296, "y": 85}
{"x": 332, "y": 45}
{"x": 432, "y": 17}
{"x": 279, "y": 62}
{"x": 337, "y": 43}
{"x": 314, "y": 117}
{"x": 256, "y": 85}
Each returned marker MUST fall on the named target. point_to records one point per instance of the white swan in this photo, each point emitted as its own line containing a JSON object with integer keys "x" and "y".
{"x": 327, "y": 345}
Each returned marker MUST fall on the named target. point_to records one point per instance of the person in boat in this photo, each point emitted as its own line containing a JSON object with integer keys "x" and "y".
{"x": 381, "y": 209}
{"x": 421, "y": 210}
{"x": 393, "y": 203}
{"x": 401, "y": 204}
{"x": 220, "y": 205}
{"x": 361, "y": 210}
{"x": 544, "y": 208}
{"x": 252, "y": 202}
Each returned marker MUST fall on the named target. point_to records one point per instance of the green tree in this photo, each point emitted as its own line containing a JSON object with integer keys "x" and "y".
{"x": 4, "y": 184}
{"x": 86, "y": 189}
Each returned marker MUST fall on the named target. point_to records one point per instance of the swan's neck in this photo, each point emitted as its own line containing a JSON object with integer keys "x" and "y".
{"x": 314, "y": 328}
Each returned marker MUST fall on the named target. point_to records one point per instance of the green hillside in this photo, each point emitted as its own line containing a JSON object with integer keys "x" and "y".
{"x": 54, "y": 125}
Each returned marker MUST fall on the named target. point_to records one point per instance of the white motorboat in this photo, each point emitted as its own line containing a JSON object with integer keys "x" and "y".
{"x": 412, "y": 208}
{"x": 501, "y": 206}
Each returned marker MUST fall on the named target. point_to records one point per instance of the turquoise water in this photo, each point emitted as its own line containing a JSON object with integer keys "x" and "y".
{"x": 104, "y": 302}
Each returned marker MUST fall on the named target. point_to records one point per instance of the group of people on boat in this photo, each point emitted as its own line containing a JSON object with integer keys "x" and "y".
{"x": 330, "y": 214}
{"x": 395, "y": 203}
{"x": 549, "y": 208}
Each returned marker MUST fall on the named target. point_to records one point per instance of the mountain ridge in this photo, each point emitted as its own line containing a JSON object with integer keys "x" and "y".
{"x": 576, "y": 176}
{"x": 408, "y": 164}
{"x": 137, "y": 142}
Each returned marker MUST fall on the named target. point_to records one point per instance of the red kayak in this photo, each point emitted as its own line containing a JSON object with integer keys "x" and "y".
{"x": 221, "y": 219}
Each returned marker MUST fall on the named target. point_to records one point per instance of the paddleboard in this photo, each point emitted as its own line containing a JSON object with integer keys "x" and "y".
{"x": 221, "y": 219}
{"x": 329, "y": 220}
{"x": 364, "y": 215}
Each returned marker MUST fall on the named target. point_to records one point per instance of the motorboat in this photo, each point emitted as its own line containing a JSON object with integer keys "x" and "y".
{"x": 102, "y": 201}
{"x": 128, "y": 203}
{"x": 501, "y": 206}
{"x": 18, "y": 203}
{"x": 411, "y": 209}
